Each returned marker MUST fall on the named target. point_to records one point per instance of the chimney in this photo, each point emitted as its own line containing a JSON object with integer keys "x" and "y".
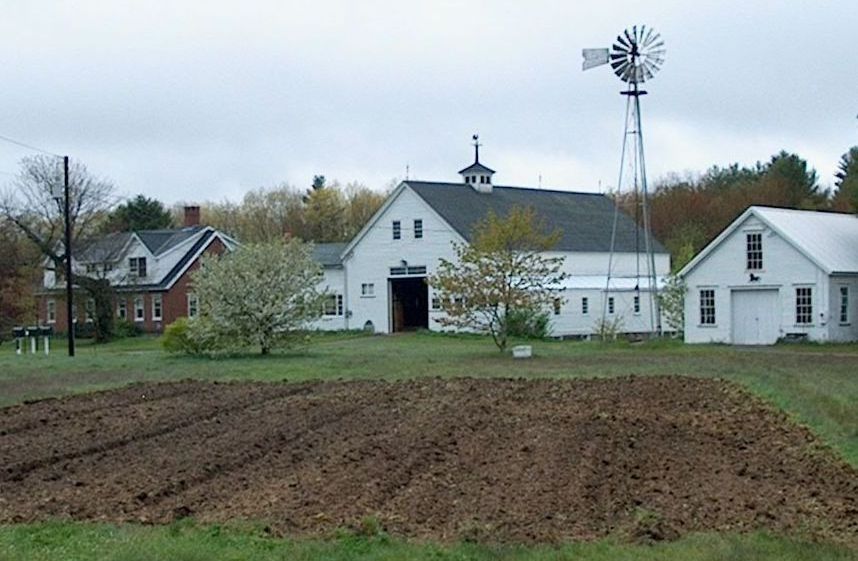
{"x": 192, "y": 216}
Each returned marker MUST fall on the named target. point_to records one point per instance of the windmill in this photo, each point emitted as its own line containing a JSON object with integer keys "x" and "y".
{"x": 636, "y": 56}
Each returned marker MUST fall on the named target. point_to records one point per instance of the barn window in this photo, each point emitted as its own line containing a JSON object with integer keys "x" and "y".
{"x": 585, "y": 306}
{"x": 557, "y": 305}
{"x": 367, "y": 289}
{"x": 611, "y": 305}
{"x": 803, "y": 305}
{"x": 52, "y": 311}
{"x": 707, "y": 307}
{"x": 637, "y": 304}
{"x": 844, "y": 304}
{"x": 755, "y": 251}
{"x": 397, "y": 230}
{"x": 418, "y": 229}
{"x": 436, "y": 302}
{"x": 333, "y": 305}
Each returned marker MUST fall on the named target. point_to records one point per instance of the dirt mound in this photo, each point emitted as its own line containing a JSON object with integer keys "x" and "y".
{"x": 510, "y": 460}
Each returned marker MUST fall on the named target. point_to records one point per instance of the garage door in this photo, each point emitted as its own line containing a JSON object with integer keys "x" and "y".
{"x": 755, "y": 317}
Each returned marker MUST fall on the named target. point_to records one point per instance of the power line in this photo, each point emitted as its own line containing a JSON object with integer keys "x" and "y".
{"x": 28, "y": 146}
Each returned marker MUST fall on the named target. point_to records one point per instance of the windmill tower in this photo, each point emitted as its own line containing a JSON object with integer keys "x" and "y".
{"x": 636, "y": 55}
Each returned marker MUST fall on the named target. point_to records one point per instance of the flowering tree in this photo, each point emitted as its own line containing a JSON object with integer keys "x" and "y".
{"x": 502, "y": 273}
{"x": 256, "y": 295}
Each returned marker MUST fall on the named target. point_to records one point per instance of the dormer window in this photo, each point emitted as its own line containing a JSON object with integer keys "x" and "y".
{"x": 137, "y": 266}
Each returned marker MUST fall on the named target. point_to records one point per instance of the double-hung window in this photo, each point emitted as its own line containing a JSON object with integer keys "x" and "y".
{"x": 418, "y": 229}
{"x": 333, "y": 305}
{"x": 397, "y": 230}
{"x": 803, "y": 305}
{"x": 637, "y": 303}
{"x": 707, "y": 306}
{"x": 137, "y": 266}
{"x": 844, "y": 305}
{"x": 754, "y": 244}
{"x": 122, "y": 309}
{"x": 367, "y": 289}
{"x": 557, "y": 306}
{"x": 139, "y": 312}
{"x": 610, "y": 304}
{"x": 157, "y": 307}
{"x": 51, "y": 311}
{"x": 585, "y": 306}
{"x": 193, "y": 305}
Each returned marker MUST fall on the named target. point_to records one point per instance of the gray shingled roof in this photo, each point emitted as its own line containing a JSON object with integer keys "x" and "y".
{"x": 477, "y": 167}
{"x": 159, "y": 241}
{"x": 584, "y": 218}
{"x": 328, "y": 254}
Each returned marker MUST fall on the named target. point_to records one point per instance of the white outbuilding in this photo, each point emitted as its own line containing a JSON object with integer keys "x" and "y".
{"x": 775, "y": 274}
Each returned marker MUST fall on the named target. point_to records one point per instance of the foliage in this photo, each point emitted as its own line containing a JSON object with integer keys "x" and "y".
{"x": 672, "y": 303}
{"x": 127, "y": 328}
{"x": 324, "y": 213}
{"x": 846, "y": 197}
{"x": 504, "y": 270}
{"x": 609, "y": 329}
{"x": 139, "y": 213}
{"x": 18, "y": 275}
{"x": 257, "y": 295}
{"x": 30, "y": 205}
{"x": 529, "y": 323}
{"x": 177, "y": 338}
{"x": 687, "y": 212}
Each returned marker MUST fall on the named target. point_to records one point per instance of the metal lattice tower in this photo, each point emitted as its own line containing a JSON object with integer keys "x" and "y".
{"x": 636, "y": 55}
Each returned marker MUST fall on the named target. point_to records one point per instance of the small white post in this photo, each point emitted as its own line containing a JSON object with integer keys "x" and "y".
{"x": 32, "y": 344}
{"x": 47, "y": 345}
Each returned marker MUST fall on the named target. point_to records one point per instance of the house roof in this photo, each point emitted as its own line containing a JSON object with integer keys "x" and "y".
{"x": 828, "y": 239}
{"x": 585, "y": 219}
{"x": 110, "y": 247}
{"x": 328, "y": 254}
{"x": 477, "y": 167}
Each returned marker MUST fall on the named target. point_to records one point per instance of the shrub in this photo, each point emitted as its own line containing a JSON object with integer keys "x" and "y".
{"x": 126, "y": 328}
{"x": 176, "y": 338}
{"x": 529, "y": 323}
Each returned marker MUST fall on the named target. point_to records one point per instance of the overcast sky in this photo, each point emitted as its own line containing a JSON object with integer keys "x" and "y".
{"x": 203, "y": 100}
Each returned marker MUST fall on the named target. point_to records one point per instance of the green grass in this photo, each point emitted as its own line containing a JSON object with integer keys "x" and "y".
{"x": 816, "y": 384}
{"x": 186, "y": 541}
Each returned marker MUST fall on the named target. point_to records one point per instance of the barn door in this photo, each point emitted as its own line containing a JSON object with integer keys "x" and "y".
{"x": 755, "y": 317}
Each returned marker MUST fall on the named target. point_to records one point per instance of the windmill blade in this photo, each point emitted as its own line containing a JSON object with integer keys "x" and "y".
{"x": 594, "y": 58}
{"x": 622, "y": 42}
{"x": 631, "y": 41}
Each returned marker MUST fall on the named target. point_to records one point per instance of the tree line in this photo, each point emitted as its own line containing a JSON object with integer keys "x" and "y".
{"x": 687, "y": 212}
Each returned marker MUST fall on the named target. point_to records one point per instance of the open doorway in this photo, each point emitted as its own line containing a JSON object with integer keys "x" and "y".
{"x": 409, "y": 304}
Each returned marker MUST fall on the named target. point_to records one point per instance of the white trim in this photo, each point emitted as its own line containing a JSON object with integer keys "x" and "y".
{"x": 142, "y": 309}
{"x": 48, "y": 304}
{"x": 196, "y": 255}
{"x": 160, "y": 299}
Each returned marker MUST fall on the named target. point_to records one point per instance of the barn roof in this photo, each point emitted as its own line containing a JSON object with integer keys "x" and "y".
{"x": 584, "y": 219}
{"x": 328, "y": 254}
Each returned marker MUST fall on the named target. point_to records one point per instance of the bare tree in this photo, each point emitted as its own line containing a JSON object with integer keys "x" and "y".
{"x": 30, "y": 205}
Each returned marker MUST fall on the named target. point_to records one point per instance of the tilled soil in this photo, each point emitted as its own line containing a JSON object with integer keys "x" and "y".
{"x": 492, "y": 460}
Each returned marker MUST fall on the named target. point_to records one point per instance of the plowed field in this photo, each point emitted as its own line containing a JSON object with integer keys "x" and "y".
{"x": 508, "y": 460}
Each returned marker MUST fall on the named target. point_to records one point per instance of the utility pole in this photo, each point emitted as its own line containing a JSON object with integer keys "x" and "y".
{"x": 68, "y": 256}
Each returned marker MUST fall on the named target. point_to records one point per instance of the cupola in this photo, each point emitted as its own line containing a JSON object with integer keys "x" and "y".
{"x": 477, "y": 175}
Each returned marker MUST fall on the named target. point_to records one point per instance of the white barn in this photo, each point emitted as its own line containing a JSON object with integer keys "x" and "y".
{"x": 775, "y": 274}
{"x": 378, "y": 279}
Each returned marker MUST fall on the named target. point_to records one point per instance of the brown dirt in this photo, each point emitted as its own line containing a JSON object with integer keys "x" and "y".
{"x": 508, "y": 460}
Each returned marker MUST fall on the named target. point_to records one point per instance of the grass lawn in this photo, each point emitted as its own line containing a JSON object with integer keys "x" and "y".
{"x": 817, "y": 385}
